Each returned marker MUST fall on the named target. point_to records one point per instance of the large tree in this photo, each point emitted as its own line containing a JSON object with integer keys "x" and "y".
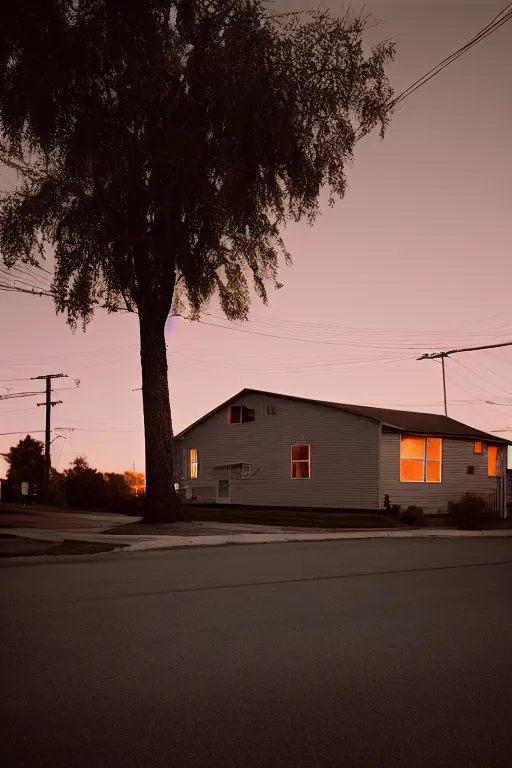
{"x": 161, "y": 148}
{"x": 25, "y": 463}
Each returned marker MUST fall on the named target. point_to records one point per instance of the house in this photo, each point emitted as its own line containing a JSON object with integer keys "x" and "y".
{"x": 267, "y": 449}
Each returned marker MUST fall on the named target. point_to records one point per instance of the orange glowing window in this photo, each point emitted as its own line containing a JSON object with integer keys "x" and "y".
{"x": 420, "y": 459}
{"x": 193, "y": 464}
{"x": 492, "y": 461}
{"x": 479, "y": 447}
{"x": 301, "y": 462}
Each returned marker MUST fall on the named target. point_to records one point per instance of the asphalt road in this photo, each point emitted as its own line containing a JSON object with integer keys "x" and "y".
{"x": 352, "y": 653}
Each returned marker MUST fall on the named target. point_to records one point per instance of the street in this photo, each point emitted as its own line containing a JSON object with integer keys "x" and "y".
{"x": 347, "y": 653}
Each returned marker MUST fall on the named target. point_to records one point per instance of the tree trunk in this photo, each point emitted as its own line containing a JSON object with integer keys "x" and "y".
{"x": 162, "y": 504}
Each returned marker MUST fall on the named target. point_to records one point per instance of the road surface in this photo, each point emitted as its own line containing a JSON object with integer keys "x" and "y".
{"x": 353, "y": 653}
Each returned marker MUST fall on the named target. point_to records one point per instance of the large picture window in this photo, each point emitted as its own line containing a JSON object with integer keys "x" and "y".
{"x": 420, "y": 459}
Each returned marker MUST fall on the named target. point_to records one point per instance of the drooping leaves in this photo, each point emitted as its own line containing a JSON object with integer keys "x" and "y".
{"x": 168, "y": 142}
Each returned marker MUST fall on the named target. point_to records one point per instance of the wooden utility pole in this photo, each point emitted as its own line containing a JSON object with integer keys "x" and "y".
{"x": 448, "y": 352}
{"x": 49, "y": 404}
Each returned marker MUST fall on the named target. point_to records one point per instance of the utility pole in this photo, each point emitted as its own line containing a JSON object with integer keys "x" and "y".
{"x": 49, "y": 404}
{"x": 448, "y": 352}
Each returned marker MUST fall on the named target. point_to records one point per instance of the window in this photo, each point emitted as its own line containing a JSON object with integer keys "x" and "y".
{"x": 238, "y": 414}
{"x": 420, "y": 459}
{"x": 235, "y": 414}
{"x": 246, "y": 470}
{"x": 479, "y": 447}
{"x": 224, "y": 489}
{"x": 301, "y": 461}
{"x": 270, "y": 410}
{"x": 492, "y": 460}
{"x": 192, "y": 465}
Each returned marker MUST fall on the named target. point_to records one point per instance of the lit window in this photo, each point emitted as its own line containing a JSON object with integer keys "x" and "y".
{"x": 492, "y": 461}
{"x": 301, "y": 462}
{"x": 479, "y": 447}
{"x": 420, "y": 459}
{"x": 193, "y": 463}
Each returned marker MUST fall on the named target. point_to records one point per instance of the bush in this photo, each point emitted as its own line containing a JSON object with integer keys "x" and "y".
{"x": 391, "y": 510}
{"x": 470, "y": 509}
{"x": 412, "y": 516}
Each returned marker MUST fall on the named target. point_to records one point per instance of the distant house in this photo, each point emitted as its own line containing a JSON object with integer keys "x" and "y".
{"x": 268, "y": 449}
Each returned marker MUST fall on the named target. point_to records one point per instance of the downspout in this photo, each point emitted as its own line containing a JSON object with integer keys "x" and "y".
{"x": 380, "y": 500}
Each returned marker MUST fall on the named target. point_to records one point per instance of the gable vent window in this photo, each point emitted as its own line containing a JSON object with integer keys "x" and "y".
{"x": 271, "y": 410}
{"x": 240, "y": 414}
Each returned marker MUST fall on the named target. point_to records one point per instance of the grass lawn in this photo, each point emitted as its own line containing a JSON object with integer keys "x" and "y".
{"x": 292, "y": 518}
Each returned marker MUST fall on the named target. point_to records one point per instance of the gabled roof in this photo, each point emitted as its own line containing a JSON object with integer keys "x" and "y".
{"x": 410, "y": 422}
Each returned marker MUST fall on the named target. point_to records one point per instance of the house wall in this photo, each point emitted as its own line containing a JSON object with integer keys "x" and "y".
{"x": 434, "y": 497}
{"x": 344, "y": 454}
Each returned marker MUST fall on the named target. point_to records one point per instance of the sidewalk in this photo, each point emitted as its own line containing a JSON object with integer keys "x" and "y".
{"x": 140, "y": 543}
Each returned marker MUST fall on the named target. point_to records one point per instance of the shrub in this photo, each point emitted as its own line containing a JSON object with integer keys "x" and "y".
{"x": 412, "y": 516}
{"x": 471, "y": 508}
{"x": 391, "y": 510}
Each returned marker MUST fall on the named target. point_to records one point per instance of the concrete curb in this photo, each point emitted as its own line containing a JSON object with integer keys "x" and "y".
{"x": 158, "y": 543}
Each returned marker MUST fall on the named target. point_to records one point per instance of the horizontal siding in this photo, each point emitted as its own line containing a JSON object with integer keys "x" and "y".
{"x": 434, "y": 497}
{"x": 344, "y": 454}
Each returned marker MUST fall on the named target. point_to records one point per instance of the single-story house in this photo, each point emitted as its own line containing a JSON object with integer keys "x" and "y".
{"x": 267, "y": 449}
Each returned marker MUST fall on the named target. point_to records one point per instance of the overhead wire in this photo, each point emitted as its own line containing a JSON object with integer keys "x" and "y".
{"x": 499, "y": 20}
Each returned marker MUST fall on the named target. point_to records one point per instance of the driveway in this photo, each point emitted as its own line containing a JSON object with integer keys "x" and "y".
{"x": 378, "y": 653}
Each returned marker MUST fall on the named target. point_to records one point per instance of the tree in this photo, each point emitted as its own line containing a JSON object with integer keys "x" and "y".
{"x": 136, "y": 481}
{"x": 84, "y": 486}
{"x": 25, "y": 463}
{"x": 161, "y": 150}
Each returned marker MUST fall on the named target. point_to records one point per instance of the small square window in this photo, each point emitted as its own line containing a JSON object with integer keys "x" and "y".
{"x": 478, "y": 447}
{"x": 271, "y": 410}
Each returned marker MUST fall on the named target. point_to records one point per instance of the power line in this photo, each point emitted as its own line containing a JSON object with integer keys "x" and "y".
{"x": 499, "y": 20}
{"x": 481, "y": 377}
{"x": 14, "y": 289}
{"x": 24, "y": 432}
{"x": 18, "y": 410}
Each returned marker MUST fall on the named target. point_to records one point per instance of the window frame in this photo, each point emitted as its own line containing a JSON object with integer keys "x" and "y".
{"x": 243, "y": 410}
{"x": 300, "y": 461}
{"x": 193, "y": 465}
{"x": 248, "y": 469}
{"x": 230, "y": 409}
{"x": 475, "y": 450}
{"x": 424, "y": 459}
{"x": 270, "y": 409}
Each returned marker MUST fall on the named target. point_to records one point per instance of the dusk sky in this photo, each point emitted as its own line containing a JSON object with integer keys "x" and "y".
{"x": 415, "y": 258}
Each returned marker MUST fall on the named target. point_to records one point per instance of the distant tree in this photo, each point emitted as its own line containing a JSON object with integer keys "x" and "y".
{"x": 136, "y": 481}
{"x": 25, "y": 464}
{"x": 84, "y": 486}
{"x": 161, "y": 147}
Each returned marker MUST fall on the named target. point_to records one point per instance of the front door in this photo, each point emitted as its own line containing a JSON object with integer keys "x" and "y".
{"x": 223, "y": 492}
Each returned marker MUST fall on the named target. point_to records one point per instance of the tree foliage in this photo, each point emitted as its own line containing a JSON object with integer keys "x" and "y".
{"x": 84, "y": 486}
{"x": 162, "y": 147}
{"x": 25, "y": 463}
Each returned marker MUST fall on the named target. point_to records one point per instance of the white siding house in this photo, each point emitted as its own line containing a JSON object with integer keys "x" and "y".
{"x": 262, "y": 448}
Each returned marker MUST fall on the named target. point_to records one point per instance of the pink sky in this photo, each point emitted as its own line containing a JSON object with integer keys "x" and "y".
{"x": 419, "y": 250}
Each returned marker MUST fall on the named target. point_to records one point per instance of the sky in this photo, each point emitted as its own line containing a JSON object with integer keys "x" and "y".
{"x": 416, "y": 258}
